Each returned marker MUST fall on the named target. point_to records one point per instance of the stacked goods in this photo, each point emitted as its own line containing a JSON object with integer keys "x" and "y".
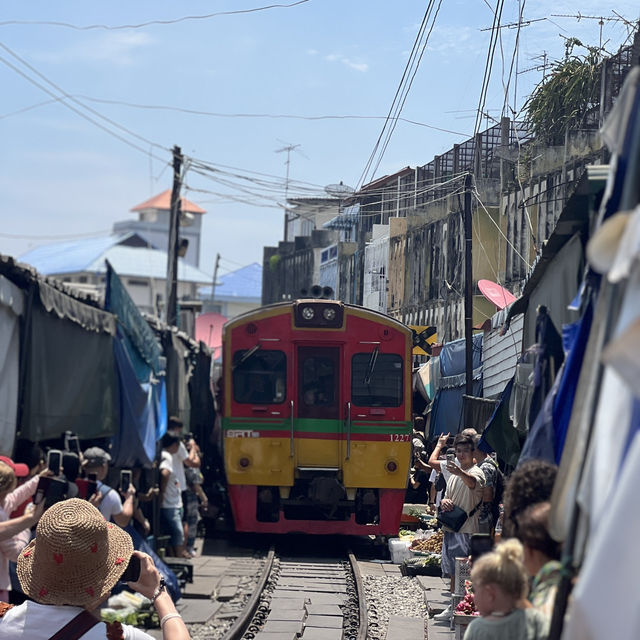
{"x": 467, "y": 605}
{"x": 430, "y": 545}
{"x": 428, "y": 565}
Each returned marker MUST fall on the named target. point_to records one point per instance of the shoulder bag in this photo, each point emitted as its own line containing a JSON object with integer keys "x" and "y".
{"x": 455, "y": 518}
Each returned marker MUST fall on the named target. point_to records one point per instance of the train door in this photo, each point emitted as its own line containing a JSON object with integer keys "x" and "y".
{"x": 317, "y": 410}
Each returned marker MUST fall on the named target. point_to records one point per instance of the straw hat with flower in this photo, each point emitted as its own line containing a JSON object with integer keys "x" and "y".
{"x": 76, "y": 557}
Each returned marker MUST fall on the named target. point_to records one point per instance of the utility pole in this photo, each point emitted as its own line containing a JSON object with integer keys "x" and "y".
{"x": 215, "y": 278}
{"x": 468, "y": 287}
{"x": 171, "y": 313}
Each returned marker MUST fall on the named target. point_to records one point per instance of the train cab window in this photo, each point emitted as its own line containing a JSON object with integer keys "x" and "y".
{"x": 259, "y": 376}
{"x": 376, "y": 379}
{"x": 318, "y": 382}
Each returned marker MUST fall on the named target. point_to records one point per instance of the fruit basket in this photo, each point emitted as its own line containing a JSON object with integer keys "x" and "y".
{"x": 427, "y": 564}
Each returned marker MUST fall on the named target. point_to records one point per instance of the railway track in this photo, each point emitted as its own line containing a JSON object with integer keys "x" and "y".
{"x": 311, "y": 598}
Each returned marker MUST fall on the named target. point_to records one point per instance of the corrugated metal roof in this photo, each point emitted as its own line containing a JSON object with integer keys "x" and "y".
{"x": 128, "y": 253}
{"x": 145, "y": 263}
{"x": 244, "y": 283}
{"x": 73, "y": 256}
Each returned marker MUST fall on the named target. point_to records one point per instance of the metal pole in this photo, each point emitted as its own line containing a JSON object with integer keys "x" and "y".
{"x": 468, "y": 288}
{"x": 215, "y": 278}
{"x": 171, "y": 314}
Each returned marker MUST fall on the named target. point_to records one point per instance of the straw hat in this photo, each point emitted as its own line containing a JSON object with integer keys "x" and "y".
{"x": 76, "y": 557}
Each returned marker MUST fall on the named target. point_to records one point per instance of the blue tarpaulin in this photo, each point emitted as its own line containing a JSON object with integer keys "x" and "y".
{"x": 446, "y": 415}
{"x": 142, "y": 413}
{"x": 137, "y": 330}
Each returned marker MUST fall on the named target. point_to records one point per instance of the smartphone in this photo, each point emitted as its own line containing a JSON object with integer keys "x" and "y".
{"x": 73, "y": 444}
{"x": 41, "y": 490}
{"x": 125, "y": 480}
{"x": 92, "y": 485}
{"x": 451, "y": 455}
{"x": 54, "y": 460}
{"x": 132, "y": 572}
{"x": 480, "y": 544}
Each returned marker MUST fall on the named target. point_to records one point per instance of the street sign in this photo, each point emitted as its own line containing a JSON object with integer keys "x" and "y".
{"x": 423, "y": 338}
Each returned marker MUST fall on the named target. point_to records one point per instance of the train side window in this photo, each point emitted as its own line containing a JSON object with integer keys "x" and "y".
{"x": 259, "y": 377}
{"x": 376, "y": 380}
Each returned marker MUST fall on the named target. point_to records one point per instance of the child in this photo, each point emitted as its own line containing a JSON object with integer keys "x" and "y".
{"x": 500, "y": 585}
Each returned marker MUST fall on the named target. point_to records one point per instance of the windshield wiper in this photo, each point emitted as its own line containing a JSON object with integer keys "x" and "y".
{"x": 246, "y": 355}
{"x": 371, "y": 366}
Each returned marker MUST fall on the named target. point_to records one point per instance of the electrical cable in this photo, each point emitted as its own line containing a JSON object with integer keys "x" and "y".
{"x": 495, "y": 29}
{"x": 477, "y": 196}
{"x": 80, "y": 104}
{"x": 406, "y": 93}
{"x": 399, "y": 89}
{"x": 140, "y": 25}
{"x": 290, "y": 116}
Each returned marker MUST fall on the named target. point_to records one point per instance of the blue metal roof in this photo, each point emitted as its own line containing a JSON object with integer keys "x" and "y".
{"x": 242, "y": 284}
{"x": 127, "y": 254}
{"x": 70, "y": 257}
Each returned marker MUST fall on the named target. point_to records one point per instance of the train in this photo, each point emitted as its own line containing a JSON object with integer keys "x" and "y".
{"x": 316, "y": 418}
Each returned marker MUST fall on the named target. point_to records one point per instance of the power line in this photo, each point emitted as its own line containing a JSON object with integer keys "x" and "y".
{"x": 290, "y": 116}
{"x": 488, "y": 64}
{"x": 77, "y": 111}
{"x": 402, "y": 87}
{"x": 76, "y": 101}
{"x": 68, "y": 25}
{"x": 406, "y": 93}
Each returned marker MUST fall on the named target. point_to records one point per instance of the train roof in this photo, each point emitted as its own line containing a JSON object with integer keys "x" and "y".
{"x": 246, "y": 317}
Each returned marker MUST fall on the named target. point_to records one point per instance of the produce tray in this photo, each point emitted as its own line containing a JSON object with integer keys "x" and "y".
{"x": 414, "y": 570}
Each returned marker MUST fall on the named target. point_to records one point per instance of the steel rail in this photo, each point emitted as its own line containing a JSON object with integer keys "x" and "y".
{"x": 362, "y": 598}
{"x": 238, "y": 628}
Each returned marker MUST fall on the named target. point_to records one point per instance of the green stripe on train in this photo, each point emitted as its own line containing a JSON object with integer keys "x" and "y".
{"x": 310, "y": 425}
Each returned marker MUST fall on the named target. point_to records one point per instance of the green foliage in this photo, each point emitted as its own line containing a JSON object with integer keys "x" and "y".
{"x": 565, "y": 97}
{"x": 274, "y": 261}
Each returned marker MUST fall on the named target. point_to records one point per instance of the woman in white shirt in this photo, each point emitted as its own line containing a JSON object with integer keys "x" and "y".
{"x": 69, "y": 569}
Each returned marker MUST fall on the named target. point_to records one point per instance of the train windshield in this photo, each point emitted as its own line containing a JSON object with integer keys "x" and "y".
{"x": 259, "y": 376}
{"x": 379, "y": 385}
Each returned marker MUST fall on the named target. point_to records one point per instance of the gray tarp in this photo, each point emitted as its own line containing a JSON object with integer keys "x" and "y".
{"x": 11, "y": 307}
{"x": 178, "y": 374}
{"x": 68, "y": 368}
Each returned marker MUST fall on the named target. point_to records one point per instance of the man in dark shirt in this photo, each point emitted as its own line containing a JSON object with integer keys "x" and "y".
{"x": 418, "y": 487}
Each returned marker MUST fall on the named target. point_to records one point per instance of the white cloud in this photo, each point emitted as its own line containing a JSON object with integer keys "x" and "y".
{"x": 114, "y": 48}
{"x": 348, "y": 62}
{"x": 312, "y": 52}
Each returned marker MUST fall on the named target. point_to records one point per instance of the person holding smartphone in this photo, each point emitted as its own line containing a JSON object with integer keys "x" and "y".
{"x": 12, "y": 495}
{"x": 112, "y": 505}
{"x": 464, "y": 490}
{"x": 67, "y": 581}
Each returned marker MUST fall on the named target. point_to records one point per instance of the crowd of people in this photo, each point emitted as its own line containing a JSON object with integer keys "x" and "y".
{"x": 70, "y": 505}
{"x": 515, "y": 582}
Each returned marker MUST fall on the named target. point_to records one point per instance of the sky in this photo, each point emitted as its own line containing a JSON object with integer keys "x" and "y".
{"x": 260, "y": 81}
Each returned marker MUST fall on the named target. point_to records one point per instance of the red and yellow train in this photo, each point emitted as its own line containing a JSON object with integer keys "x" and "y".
{"x": 316, "y": 418}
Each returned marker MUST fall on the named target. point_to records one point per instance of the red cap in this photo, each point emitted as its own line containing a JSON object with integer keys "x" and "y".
{"x": 21, "y": 470}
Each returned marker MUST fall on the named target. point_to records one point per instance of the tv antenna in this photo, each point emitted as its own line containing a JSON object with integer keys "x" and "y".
{"x": 288, "y": 148}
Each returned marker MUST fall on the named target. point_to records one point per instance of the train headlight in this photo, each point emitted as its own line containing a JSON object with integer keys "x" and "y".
{"x": 329, "y": 314}
{"x": 391, "y": 466}
{"x": 308, "y": 313}
{"x": 244, "y": 463}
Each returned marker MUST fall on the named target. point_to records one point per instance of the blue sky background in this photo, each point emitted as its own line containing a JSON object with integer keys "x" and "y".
{"x": 62, "y": 176}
